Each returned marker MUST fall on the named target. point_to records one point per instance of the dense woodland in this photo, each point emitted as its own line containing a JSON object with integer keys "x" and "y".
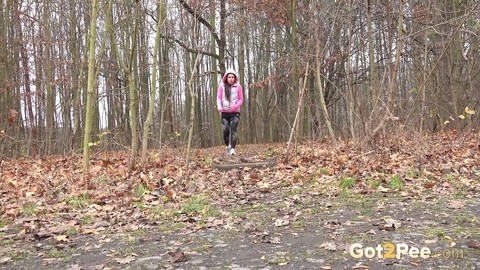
{"x": 138, "y": 75}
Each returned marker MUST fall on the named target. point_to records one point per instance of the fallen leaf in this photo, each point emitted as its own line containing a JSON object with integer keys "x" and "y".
{"x": 94, "y": 169}
{"x": 75, "y": 267}
{"x": 392, "y": 223}
{"x": 62, "y": 238}
{"x": 274, "y": 240}
{"x": 89, "y": 231}
{"x": 329, "y": 246}
{"x": 42, "y": 235}
{"x": 456, "y": 205}
{"x": 430, "y": 241}
{"x": 383, "y": 189}
{"x": 281, "y": 222}
{"x": 5, "y": 260}
{"x": 430, "y": 184}
{"x": 59, "y": 229}
{"x": 332, "y": 223}
{"x": 264, "y": 187}
{"x": 177, "y": 256}
{"x": 473, "y": 244}
{"x": 360, "y": 266}
{"x": 125, "y": 260}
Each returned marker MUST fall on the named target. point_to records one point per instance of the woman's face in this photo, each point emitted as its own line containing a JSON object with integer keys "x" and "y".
{"x": 230, "y": 79}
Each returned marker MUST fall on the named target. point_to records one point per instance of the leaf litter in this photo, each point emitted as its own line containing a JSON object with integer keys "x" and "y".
{"x": 51, "y": 199}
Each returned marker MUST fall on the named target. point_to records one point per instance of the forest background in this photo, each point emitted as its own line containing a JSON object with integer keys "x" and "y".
{"x": 113, "y": 75}
{"x": 379, "y": 97}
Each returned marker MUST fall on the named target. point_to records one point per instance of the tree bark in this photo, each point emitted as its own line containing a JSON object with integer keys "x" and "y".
{"x": 49, "y": 83}
{"x": 193, "y": 97}
{"x": 91, "y": 91}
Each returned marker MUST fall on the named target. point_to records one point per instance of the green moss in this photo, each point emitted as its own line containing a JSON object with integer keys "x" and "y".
{"x": 347, "y": 182}
{"x": 396, "y": 182}
{"x": 29, "y": 209}
{"x": 79, "y": 202}
{"x": 141, "y": 190}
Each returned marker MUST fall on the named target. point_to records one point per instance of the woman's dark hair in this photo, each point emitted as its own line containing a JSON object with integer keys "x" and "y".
{"x": 227, "y": 91}
{"x": 228, "y": 86}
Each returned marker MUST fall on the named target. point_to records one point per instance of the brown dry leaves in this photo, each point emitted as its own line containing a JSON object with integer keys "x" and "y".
{"x": 48, "y": 196}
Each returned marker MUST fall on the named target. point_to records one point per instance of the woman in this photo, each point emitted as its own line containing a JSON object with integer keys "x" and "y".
{"x": 229, "y": 100}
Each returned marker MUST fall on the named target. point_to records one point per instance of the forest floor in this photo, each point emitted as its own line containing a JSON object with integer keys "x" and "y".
{"x": 405, "y": 204}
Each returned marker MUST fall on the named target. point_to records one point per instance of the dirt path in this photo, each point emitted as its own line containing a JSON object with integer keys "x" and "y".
{"x": 280, "y": 232}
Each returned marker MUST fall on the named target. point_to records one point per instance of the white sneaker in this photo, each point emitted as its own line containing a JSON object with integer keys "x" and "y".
{"x": 228, "y": 149}
{"x": 232, "y": 151}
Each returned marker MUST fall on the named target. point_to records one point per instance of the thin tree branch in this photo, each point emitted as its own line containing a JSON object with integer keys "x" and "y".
{"x": 202, "y": 21}
{"x": 188, "y": 49}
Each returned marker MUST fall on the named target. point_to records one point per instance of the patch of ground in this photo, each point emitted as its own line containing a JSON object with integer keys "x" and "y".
{"x": 328, "y": 206}
{"x": 281, "y": 232}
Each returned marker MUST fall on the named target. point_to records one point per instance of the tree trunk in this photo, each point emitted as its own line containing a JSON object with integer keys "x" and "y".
{"x": 295, "y": 86}
{"x": 348, "y": 75}
{"x": 297, "y": 115}
{"x": 49, "y": 84}
{"x": 153, "y": 88}
{"x": 30, "y": 125}
{"x": 127, "y": 66}
{"x": 214, "y": 63}
{"x": 374, "y": 92}
{"x": 323, "y": 105}
{"x": 193, "y": 95}
{"x": 91, "y": 91}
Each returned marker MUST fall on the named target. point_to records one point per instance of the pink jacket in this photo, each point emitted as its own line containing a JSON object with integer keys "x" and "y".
{"x": 236, "y": 94}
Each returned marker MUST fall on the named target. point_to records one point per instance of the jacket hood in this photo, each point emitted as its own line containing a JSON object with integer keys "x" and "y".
{"x": 230, "y": 71}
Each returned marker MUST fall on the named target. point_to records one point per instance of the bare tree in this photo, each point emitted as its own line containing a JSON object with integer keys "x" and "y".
{"x": 91, "y": 91}
{"x": 376, "y": 68}
{"x": 126, "y": 59}
{"x": 153, "y": 89}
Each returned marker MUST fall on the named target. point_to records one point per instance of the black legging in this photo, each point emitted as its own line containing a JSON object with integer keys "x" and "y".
{"x": 230, "y": 122}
